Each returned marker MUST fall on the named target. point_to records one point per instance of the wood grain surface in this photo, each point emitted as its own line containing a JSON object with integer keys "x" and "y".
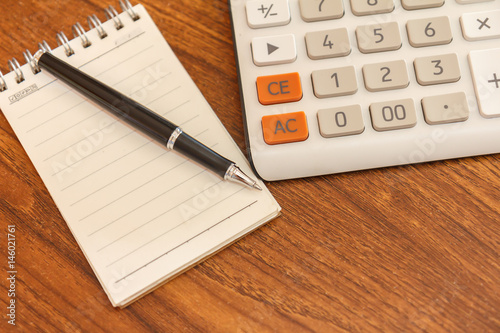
{"x": 404, "y": 249}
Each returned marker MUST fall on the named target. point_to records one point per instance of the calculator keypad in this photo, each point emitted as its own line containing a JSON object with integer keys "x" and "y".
{"x": 367, "y": 70}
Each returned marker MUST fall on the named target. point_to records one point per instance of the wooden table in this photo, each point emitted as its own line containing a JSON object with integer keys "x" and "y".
{"x": 412, "y": 248}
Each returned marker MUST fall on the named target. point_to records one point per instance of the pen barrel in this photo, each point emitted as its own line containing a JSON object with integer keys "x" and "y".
{"x": 120, "y": 105}
{"x": 193, "y": 149}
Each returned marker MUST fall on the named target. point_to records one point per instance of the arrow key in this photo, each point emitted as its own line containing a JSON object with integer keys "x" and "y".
{"x": 274, "y": 50}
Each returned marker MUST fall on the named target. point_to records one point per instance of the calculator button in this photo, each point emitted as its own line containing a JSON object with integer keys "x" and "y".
{"x": 421, "y": 4}
{"x": 486, "y": 76}
{"x": 282, "y": 88}
{"x": 482, "y": 25}
{"x": 327, "y": 44}
{"x": 429, "y": 31}
{"x": 444, "y": 109}
{"x": 274, "y": 50}
{"x": 369, "y": 7}
{"x": 437, "y": 69}
{"x": 320, "y": 10}
{"x": 267, "y": 13}
{"x": 393, "y": 115}
{"x": 386, "y": 75}
{"x": 285, "y": 128}
{"x": 334, "y": 82}
{"x": 340, "y": 121}
{"x": 378, "y": 37}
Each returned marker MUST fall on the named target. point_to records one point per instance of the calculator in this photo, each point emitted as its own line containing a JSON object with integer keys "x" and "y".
{"x": 330, "y": 86}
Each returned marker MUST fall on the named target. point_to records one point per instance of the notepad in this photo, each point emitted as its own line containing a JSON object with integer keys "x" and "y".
{"x": 140, "y": 213}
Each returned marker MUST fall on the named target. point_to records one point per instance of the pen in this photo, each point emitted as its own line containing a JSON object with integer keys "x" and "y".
{"x": 142, "y": 118}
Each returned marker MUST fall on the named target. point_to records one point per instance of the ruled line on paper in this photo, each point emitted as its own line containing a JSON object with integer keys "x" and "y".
{"x": 54, "y": 117}
{"x": 119, "y": 63}
{"x": 119, "y": 178}
{"x": 67, "y": 129}
{"x": 113, "y": 49}
{"x": 137, "y": 72}
{"x": 178, "y": 246}
{"x": 108, "y": 164}
{"x": 116, "y": 160}
{"x": 46, "y": 102}
{"x": 115, "y": 180}
{"x": 76, "y": 143}
{"x": 135, "y": 189}
{"x": 177, "y": 226}
{"x": 158, "y": 196}
{"x": 129, "y": 192}
{"x": 92, "y": 153}
{"x": 111, "y": 124}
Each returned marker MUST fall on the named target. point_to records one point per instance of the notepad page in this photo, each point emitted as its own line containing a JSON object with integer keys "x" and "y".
{"x": 141, "y": 214}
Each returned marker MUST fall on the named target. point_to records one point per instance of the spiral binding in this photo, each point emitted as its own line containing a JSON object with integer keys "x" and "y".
{"x": 62, "y": 40}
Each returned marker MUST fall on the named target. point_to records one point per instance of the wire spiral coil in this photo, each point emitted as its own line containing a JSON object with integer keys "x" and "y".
{"x": 78, "y": 32}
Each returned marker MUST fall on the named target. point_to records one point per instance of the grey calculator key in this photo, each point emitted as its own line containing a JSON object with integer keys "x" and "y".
{"x": 370, "y": 7}
{"x": 320, "y": 10}
{"x": 393, "y": 115}
{"x": 444, "y": 109}
{"x": 421, "y": 4}
{"x": 334, "y": 82}
{"x": 340, "y": 121}
{"x": 378, "y": 37}
{"x": 386, "y": 75}
{"x": 328, "y": 44}
{"x": 437, "y": 69}
{"x": 429, "y": 31}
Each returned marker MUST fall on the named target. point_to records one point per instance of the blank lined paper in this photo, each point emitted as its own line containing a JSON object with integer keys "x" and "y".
{"x": 140, "y": 213}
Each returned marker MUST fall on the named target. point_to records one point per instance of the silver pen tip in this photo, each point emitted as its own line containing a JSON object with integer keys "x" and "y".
{"x": 256, "y": 186}
{"x": 235, "y": 174}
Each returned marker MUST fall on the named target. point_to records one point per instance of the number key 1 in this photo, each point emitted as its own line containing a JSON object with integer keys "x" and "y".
{"x": 334, "y": 82}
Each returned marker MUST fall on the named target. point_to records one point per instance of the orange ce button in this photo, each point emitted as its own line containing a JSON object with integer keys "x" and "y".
{"x": 282, "y": 88}
{"x": 285, "y": 128}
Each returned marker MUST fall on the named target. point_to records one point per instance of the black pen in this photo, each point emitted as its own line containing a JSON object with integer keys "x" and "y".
{"x": 144, "y": 119}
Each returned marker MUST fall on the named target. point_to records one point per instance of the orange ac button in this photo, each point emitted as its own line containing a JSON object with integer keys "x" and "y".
{"x": 282, "y": 88}
{"x": 285, "y": 128}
